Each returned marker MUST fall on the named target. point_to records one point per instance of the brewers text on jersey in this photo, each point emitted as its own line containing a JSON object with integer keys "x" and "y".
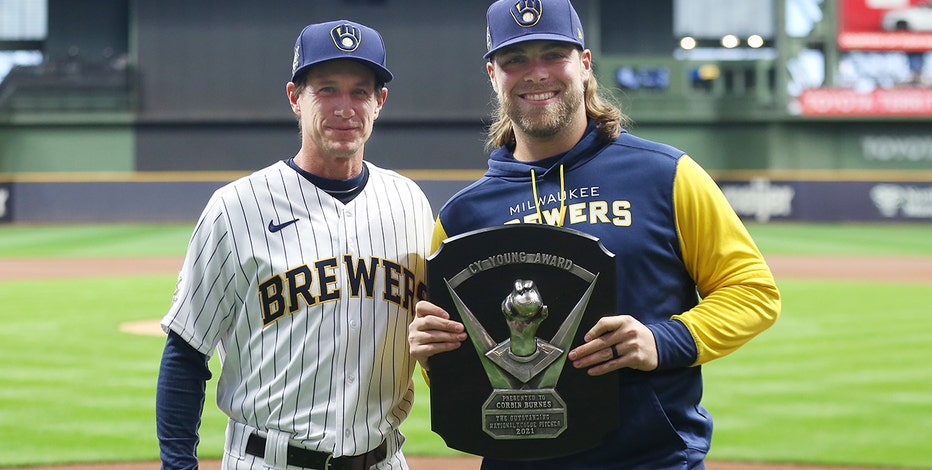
{"x": 285, "y": 292}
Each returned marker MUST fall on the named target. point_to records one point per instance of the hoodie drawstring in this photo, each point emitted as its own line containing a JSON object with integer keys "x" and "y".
{"x": 562, "y": 198}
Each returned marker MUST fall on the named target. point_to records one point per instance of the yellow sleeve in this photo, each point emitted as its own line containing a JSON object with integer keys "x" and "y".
{"x": 437, "y": 238}
{"x": 424, "y": 374}
{"x": 739, "y": 297}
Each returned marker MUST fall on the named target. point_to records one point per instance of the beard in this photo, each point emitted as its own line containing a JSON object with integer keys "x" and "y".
{"x": 544, "y": 121}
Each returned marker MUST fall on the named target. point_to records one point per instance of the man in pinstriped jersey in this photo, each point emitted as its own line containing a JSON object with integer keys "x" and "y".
{"x": 304, "y": 277}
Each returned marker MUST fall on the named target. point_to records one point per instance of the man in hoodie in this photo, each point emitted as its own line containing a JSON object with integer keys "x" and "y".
{"x": 691, "y": 284}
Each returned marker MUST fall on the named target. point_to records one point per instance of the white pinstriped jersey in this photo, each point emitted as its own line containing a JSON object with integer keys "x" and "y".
{"x": 308, "y": 302}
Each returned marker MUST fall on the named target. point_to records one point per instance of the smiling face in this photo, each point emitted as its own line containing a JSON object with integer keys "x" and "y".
{"x": 540, "y": 86}
{"x": 336, "y": 108}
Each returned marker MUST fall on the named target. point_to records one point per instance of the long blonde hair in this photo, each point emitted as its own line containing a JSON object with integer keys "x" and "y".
{"x": 600, "y": 107}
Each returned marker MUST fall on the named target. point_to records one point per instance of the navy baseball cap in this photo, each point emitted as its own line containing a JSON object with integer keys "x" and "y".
{"x": 513, "y": 21}
{"x": 341, "y": 39}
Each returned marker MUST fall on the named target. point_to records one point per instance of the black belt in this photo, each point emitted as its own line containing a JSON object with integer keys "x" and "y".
{"x": 321, "y": 460}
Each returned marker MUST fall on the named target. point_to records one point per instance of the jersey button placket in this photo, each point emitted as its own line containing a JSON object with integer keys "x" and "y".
{"x": 351, "y": 244}
{"x": 341, "y": 348}
{"x": 350, "y": 377}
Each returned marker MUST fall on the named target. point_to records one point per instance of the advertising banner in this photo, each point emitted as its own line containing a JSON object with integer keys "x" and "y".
{"x": 885, "y": 25}
{"x": 885, "y": 64}
{"x": 762, "y": 200}
{"x": 6, "y": 202}
{"x": 848, "y": 102}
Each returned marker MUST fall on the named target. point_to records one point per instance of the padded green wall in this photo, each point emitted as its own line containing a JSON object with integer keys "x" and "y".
{"x": 66, "y": 148}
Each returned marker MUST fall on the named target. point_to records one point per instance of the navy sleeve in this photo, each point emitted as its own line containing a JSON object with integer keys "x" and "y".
{"x": 179, "y": 402}
{"x": 675, "y": 345}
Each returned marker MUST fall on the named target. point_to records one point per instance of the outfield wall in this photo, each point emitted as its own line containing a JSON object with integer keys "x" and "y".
{"x": 132, "y": 200}
{"x": 835, "y": 170}
{"x": 761, "y": 199}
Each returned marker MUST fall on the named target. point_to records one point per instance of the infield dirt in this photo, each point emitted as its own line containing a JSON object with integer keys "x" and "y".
{"x": 886, "y": 269}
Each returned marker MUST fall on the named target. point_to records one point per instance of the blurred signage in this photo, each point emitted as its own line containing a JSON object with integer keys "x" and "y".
{"x": 763, "y": 200}
{"x": 633, "y": 78}
{"x": 760, "y": 199}
{"x": 897, "y": 148}
{"x": 902, "y": 201}
{"x": 885, "y": 25}
{"x": 6, "y": 192}
{"x": 885, "y": 68}
{"x": 878, "y": 102}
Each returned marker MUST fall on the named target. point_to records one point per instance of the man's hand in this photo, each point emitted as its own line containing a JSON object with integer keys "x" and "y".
{"x": 431, "y": 332}
{"x": 614, "y": 343}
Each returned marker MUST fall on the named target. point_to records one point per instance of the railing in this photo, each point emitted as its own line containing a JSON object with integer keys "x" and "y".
{"x": 68, "y": 86}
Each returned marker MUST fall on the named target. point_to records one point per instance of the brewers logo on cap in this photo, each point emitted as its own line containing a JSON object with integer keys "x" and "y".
{"x": 527, "y": 13}
{"x": 514, "y": 21}
{"x": 316, "y": 44}
{"x": 346, "y": 37}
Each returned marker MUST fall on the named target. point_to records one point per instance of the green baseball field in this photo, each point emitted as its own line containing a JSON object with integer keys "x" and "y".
{"x": 843, "y": 379}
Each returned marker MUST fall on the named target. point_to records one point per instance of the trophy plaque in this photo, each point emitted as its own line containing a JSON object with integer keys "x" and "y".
{"x": 527, "y": 294}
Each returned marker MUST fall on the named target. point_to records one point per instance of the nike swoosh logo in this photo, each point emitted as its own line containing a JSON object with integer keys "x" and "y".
{"x": 274, "y": 228}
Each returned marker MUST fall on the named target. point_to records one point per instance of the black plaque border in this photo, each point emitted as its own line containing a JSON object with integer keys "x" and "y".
{"x": 459, "y": 384}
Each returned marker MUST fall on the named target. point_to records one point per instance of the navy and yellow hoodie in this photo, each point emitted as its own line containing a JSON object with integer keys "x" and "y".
{"x": 676, "y": 240}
